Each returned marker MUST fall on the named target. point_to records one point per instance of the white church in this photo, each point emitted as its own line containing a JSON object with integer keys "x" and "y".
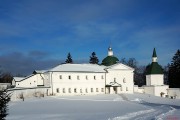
{"x": 111, "y": 77}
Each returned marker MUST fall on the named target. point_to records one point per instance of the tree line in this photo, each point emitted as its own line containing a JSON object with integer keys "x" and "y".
{"x": 6, "y": 77}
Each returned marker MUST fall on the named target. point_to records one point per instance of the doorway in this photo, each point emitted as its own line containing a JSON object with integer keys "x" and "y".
{"x": 115, "y": 90}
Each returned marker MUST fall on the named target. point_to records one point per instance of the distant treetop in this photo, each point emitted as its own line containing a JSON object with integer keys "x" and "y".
{"x": 93, "y": 58}
{"x": 69, "y": 58}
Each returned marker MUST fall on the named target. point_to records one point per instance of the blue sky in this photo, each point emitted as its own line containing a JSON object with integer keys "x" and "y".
{"x": 38, "y": 34}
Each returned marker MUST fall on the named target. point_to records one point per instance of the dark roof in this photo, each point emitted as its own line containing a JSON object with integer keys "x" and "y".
{"x": 154, "y": 53}
{"x": 154, "y": 68}
{"x": 110, "y": 60}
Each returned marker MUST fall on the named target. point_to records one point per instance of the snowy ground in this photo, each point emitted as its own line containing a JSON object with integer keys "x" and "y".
{"x": 99, "y": 107}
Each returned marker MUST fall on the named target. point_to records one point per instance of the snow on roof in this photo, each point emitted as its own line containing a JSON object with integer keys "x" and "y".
{"x": 39, "y": 71}
{"x": 18, "y": 78}
{"x": 79, "y": 68}
{"x": 120, "y": 66}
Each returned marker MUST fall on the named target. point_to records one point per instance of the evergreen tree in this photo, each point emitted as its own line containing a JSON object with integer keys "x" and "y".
{"x": 93, "y": 59}
{"x": 166, "y": 72}
{"x": 174, "y": 71}
{"x": 69, "y": 58}
{"x": 4, "y": 99}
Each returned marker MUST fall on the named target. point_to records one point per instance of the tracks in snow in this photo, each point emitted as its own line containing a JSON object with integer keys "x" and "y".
{"x": 155, "y": 112}
{"x": 158, "y": 113}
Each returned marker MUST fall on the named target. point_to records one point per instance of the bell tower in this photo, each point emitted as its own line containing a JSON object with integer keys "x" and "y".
{"x": 154, "y": 74}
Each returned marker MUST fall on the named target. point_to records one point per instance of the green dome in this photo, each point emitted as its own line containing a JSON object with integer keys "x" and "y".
{"x": 154, "y": 68}
{"x": 110, "y": 60}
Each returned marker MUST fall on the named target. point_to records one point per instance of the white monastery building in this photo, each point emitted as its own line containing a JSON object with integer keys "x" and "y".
{"x": 111, "y": 77}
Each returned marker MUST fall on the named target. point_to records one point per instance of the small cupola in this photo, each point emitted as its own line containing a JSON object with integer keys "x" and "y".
{"x": 110, "y": 59}
{"x": 110, "y": 52}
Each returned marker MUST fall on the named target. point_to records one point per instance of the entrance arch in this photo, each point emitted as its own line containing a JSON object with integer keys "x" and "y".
{"x": 113, "y": 88}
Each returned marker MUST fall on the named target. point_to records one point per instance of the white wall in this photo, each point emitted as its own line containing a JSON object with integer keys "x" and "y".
{"x": 149, "y": 90}
{"x": 159, "y": 89}
{"x": 156, "y": 90}
{"x": 174, "y": 93}
{"x": 155, "y": 79}
{"x": 141, "y": 90}
{"x": 136, "y": 88}
{"x": 123, "y": 77}
{"x": 16, "y": 93}
{"x": 47, "y": 79}
{"x": 62, "y": 85}
{"x": 40, "y": 79}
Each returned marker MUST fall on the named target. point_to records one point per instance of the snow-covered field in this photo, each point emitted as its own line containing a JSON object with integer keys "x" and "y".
{"x": 99, "y": 107}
